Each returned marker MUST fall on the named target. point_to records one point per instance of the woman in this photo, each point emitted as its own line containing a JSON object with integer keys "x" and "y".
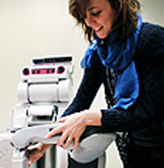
{"x": 129, "y": 52}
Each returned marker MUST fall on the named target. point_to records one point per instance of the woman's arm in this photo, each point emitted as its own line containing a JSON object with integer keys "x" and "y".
{"x": 76, "y": 117}
{"x": 149, "y": 106}
{"x": 86, "y": 92}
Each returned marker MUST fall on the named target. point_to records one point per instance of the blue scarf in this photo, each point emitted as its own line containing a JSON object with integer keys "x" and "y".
{"x": 118, "y": 55}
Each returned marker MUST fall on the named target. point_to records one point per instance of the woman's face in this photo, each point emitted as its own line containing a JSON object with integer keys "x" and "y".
{"x": 100, "y": 17}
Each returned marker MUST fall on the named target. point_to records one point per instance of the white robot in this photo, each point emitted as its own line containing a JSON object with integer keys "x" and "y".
{"x": 44, "y": 92}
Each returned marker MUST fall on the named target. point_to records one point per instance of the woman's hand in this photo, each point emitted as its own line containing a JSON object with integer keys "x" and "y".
{"x": 71, "y": 129}
{"x": 73, "y": 126}
{"x": 35, "y": 152}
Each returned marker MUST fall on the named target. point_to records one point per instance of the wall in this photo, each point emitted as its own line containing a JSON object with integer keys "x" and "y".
{"x": 32, "y": 28}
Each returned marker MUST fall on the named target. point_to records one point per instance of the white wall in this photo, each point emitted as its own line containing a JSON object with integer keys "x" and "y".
{"x": 31, "y": 28}
{"x": 152, "y": 11}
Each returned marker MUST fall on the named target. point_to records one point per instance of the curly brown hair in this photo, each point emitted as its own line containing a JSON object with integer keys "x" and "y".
{"x": 126, "y": 18}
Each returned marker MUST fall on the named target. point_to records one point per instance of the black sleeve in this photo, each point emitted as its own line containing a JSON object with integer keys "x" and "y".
{"x": 87, "y": 90}
{"x": 149, "y": 106}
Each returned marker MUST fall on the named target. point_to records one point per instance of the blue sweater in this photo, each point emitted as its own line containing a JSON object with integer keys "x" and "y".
{"x": 145, "y": 119}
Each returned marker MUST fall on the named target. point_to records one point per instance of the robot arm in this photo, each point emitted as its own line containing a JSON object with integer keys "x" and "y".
{"x": 22, "y": 138}
{"x": 44, "y": 92}
{"x": 91, "y": 146}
